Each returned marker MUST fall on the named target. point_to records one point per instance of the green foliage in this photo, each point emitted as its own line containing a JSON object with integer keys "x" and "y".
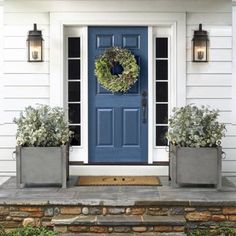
{"x": 121, "y": 82}
{"x": 220, "y": 230}
{"x": 2, "y": 231}
{"x": 42, "y": 126}
{"x": 191, "y": 126}
{"x": 27, "y": 231}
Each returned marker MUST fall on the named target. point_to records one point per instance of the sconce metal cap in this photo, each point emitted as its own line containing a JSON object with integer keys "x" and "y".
{"x": 198, "y": 34}
{"x": 35, "y": 33}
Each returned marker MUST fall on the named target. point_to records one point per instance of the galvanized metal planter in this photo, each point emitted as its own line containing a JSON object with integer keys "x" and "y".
{"x": 42, "y": 166}
{"x": 195, "y": 165}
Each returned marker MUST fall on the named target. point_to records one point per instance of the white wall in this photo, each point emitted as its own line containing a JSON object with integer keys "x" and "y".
{"x": 28, "y": 83}
{"x": 211, "y": 83}
{"x": 24, "y": 83}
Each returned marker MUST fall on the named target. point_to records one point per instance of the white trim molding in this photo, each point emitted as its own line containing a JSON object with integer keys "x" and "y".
{"x": 176, "y": 21}
{"x": 234, "y": 63}
{"x": 1, "y": 63}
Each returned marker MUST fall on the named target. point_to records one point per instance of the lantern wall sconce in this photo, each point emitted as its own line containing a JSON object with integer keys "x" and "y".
{"x": 200, "y": 44}
{"x": 35, "y": 45}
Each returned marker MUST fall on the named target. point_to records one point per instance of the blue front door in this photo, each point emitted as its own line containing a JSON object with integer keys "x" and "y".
{"x": 118, "y": 122}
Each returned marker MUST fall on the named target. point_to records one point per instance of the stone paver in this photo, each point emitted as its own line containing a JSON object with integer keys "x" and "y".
{"x": 120, "y": 195}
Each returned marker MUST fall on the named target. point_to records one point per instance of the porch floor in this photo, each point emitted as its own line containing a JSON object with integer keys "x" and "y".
{"x": 118, "y": 210}
{"x": 118, "y": 195}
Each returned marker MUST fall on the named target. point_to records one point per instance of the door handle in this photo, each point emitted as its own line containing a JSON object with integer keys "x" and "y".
{"x": 144, "y": 106}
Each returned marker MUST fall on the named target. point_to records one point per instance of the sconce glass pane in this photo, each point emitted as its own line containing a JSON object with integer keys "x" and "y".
{"x": 35, "y": 50}
{"x": 200, "y": 50}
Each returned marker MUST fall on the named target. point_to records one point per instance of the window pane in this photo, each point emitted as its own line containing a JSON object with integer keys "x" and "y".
{"x": 160, "y": 135}
{"x": 161, "y": 92}
{"x": 74, "y": 113}
{"x": 74, "y": 91}
{"x": 74, "y": 47}
{"x": 76, "y": 136}
{"x": 162, "y": 70}
{"x": 73, "y": 69}
{"x": 161, "y": 114}
{"x": 161, "y": 47}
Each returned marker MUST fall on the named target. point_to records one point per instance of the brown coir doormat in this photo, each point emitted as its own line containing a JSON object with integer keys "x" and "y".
{"x": 118, "y": 180}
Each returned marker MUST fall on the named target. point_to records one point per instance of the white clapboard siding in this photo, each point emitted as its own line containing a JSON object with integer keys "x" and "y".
{"x": 208, "y": 92}
{"x": 225, "y": 117}
{"x": 6, "y": 174}
{"x": 26, "y": 67}
{"x": 214, "y": 55}
{"x": 20, "y": 42}
{"x": 117, "y": 6}
{"x": 26, "y": 92}
{"x": 229, "y": 154}
{"x": 229, "y": 142}
{"x": 209, "y": 80}
{"x": 26, "y": 18}
{"x": 7, "y": 154}
{"x": 209, "y": 19}
{"x": 209, "y": 68}
{"x": 213, "y": 31}
{"x": 7, "y": 141}
{"x": 28, "y": 83}
{"x": 26, "y": 79}
{"x": 220, "y": 104}
{"x": 9, "y": 116}
{"x": 215, "y": 42}
{"x": 8, "y": 129}
{"x": 21, "y": 30}
{"x": 21, "y": 54}
{"x": 8, "y": 166}
{"x": 18, "y": 104}
{"x": 231, "y": 130}
{"x": 3, "y": 179}
{"x": 228, "y": 166}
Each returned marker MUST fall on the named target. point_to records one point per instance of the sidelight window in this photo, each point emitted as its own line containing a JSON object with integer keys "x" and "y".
{"x": 161, "y": 89}
{"x": 74, "y": 88}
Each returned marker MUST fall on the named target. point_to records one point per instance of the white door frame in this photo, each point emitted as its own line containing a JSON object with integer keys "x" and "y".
{"x": 177, "y": 22}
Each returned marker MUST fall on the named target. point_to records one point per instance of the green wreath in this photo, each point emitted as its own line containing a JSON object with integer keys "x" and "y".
{"x": 116, "y": 82}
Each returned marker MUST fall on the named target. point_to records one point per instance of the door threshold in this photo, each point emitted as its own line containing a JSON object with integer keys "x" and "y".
{"x": 156, "y": 163}
{"x": 119, "y": 170}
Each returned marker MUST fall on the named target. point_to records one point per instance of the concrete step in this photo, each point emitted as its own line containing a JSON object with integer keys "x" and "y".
{"x": 121, "y": 224}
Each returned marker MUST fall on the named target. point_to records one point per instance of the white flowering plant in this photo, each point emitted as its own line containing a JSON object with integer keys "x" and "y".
{"x": 191, "y": 126}
{"x": 43, "y": 126}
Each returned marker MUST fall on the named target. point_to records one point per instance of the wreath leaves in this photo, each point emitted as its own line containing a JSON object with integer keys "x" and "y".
{"x": 116, "y": 82}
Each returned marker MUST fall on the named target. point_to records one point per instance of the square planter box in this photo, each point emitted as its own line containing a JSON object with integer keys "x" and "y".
{"x": 42, "y": 166}
{"x": 195, "y": 165}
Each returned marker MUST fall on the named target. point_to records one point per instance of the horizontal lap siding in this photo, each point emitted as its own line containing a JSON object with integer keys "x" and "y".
{"x": 28, "y": 83}
{"x": 210, "y": 83}
{"x": 24, "y": 83}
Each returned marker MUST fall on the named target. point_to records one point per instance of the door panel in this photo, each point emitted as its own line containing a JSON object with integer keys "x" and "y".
{"x": 117, "y": 133}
